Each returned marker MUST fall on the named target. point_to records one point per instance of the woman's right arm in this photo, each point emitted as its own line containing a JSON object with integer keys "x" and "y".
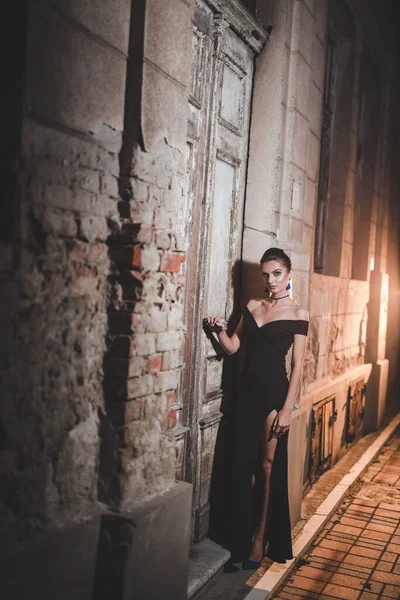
{"x": 229, "y": 344}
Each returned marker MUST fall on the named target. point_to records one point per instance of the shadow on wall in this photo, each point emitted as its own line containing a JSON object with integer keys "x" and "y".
{"x": 247, "y": 283}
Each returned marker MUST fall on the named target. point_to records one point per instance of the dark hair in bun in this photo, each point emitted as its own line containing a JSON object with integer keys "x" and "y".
{"x": 277, "y": 254}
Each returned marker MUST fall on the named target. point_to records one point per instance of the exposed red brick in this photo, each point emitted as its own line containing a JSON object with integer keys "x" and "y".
{"x": 154, "y": 363}
{"x": 171, "y": 398}
{"x": 126, "y": 256}
{"x": 85, "y": 271}
{"x": 171, "y": 418}
{"x": 171, "y": 262}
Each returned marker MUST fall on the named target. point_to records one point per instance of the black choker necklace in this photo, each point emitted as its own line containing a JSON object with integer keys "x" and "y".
{"x": 281, "y": 298}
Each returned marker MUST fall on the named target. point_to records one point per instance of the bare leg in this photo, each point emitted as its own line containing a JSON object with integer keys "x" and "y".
{"x": 268, "y": 458}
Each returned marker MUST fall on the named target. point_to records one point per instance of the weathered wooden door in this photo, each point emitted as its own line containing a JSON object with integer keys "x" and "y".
{"x": 225, "y": 40}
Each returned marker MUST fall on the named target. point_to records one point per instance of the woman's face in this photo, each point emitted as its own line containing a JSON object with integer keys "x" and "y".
{"x": 276, "y": 277}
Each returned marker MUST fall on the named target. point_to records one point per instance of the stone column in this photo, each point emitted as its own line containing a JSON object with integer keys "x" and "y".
{"x": 379, "y": 279}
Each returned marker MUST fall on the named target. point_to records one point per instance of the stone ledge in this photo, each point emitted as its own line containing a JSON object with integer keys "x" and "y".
{"x": 206, "y": 559}
{"x": 133, "y": 555}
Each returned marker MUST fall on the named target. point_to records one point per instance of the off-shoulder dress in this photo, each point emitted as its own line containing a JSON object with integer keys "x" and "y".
{"x": 263, "y": 387}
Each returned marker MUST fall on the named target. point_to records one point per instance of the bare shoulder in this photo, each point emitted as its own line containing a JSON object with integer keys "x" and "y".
{"x": 254, "y": 303}
{"x": 302, "y": 314}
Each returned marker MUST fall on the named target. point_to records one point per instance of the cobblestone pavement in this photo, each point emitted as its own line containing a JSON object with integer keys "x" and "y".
{"x": 357, "y": 554}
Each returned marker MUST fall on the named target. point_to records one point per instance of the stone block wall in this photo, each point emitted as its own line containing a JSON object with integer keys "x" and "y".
{"x": 339, "y": 312}
{"x": 283, "y": 178}
{"x": 288, "y": 114}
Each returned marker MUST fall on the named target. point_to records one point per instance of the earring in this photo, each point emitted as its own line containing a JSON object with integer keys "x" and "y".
{"x": 288, "y": 286}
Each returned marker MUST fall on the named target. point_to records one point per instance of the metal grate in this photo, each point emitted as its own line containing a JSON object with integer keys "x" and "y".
{"x": 323, "y": 417}
{"x": 355, "y": 410}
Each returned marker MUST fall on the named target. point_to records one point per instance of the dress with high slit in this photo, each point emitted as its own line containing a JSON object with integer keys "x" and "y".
{"x": 262, "y": 388}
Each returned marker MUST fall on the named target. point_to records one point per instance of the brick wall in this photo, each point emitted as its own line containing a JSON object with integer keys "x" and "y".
{"x": 146, "y": 310}
{"x": 93, "y": 284}
{"x": 145, "y": 330}
{"x": 54, "y": 276}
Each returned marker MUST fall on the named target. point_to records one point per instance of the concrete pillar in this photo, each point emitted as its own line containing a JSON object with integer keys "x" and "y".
{"x": 379, "y": 280}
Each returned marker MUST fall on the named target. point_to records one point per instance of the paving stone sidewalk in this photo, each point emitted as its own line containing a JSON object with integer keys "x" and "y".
{"x": 357, "y": 554}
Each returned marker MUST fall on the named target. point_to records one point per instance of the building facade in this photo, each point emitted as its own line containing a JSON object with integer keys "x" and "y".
{"x": 154, "y": 150}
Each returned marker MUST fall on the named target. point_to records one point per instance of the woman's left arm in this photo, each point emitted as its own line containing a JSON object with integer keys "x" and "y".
{"x": 284, "y": 416}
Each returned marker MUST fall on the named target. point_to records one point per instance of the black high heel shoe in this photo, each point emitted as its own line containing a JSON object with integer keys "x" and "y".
{"x": 250, "y": 565}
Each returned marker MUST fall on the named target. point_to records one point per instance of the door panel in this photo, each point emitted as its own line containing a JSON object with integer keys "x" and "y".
{"x": 218, "y": 129}
{"x": 191, "y": 227}
{"x": 220, "y": 237}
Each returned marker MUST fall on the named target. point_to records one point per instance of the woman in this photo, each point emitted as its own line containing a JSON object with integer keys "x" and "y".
{"x": 266, "y": 399}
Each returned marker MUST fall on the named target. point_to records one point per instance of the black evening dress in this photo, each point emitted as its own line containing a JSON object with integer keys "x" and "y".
{"x": 263, "y": 387}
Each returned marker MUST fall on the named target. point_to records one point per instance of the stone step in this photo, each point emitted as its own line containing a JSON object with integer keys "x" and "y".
{"x": 206, "y": 559}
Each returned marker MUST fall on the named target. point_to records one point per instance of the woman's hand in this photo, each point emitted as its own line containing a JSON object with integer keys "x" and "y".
{"x": 229, "y": 344}
{"x": 215, "y": 323}
{"x": 281, "y": 423}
